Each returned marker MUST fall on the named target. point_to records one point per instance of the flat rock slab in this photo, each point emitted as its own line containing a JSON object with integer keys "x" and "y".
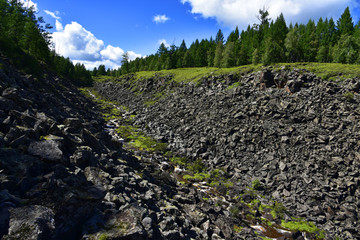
{"x": 46, "y": 149}
{"x": 31, "y": 222}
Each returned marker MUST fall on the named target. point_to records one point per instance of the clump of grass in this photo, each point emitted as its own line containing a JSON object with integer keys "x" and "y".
{"x": 278, "y": 210}
{"x": 234, "y": 85}
{"x": 237, "y": 229}
{"x": 180, "y": 161}
{"x": 103, "y": 237}
{"x": 147, "y": 143}
{"x": 349, "y": 96}
{"x": 256, "y": 184}
{"x": 303, "y": 226}
{"x": 197, "y": 166}
{"x": 197, "y": 176}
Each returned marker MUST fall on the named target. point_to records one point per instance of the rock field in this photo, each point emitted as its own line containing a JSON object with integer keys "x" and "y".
{"x": 284, "y": 144}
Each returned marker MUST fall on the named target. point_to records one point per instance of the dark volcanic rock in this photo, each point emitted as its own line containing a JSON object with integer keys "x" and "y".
{"x": 296, "y": 133}
{"x": 48, "y": 150}
{"x": 31, "y": 222}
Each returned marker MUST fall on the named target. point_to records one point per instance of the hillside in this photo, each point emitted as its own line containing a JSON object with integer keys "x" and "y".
{"x": 244, "y": 153}
{"x": 276, "y": 136}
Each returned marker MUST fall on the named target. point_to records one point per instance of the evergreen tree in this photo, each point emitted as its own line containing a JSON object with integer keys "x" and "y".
{"x": 292, "y": 45}
{"x": 219, "y": 37}
{"x": 102, "y": 70}
{"x": 345, "y": 23}
{"x": 346, "y": 50}
{"x": 187, "y": 60}
{"x": 218, "y": 54}
{"x": 228, "y": 58}
{"x": 234, "y": 35}
{"x": 273, "y": 53}
{"x": 256, "y": 57}
{"x": 310, "y": 43}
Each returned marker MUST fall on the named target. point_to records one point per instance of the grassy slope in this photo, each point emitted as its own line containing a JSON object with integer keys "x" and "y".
{"x": 327, "y": 71}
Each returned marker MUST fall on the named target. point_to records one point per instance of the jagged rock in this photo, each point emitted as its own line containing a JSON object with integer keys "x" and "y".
{"x": 31, "y": 222}
{"x": 48, "y": 150}
{"x": 82, "y": 156}
{"x": 287, "y": 138}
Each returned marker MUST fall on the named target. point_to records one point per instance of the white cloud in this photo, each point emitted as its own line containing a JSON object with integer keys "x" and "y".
{"x": 164, "y": 42}
{"x": 81, "y": 46}
{"x": 59, "y": 27}
{"x": 161, "y": 18}
{"x": 53, "y": 14}
{"x": 243, "y": 12}
{"x": 133, "y": 55}
{"x": 112, "y": 53}
{"x": 29, "y": 4}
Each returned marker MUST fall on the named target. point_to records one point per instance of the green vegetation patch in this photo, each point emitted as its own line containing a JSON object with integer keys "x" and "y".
{"x": 303, "y": 226}
{"x": 147, "y": 143}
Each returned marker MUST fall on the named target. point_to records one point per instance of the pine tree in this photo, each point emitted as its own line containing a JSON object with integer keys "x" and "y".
{"x": 219, "y": 37}
{"x": 346, "y": 50}
{"x": 345, "y": 23}
{"x": 292, "y": 45}
{"x": 256, "y": 57}
{"x": 310, "y": 44}
{"x": 218, "y": 54}
{"x": 228, "y": 57}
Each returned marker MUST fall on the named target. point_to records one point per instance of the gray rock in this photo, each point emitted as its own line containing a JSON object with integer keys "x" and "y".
{"x": 47, "y": 149}
{"x": 31, "y": 222}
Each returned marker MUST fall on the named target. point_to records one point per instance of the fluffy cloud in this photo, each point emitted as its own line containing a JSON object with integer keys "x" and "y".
{"x": 161, "y": 18}
{"x": 81, "y": 46}
{"x": 164, "y": 42}
{"x": 244, "y": 12}
{"x": 53, "y": 14}
{"x": 29, "y": 4}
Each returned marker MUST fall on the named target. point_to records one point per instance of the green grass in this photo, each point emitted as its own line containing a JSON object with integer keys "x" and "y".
{"x": 326, "y": 71}
{"x": 303, "y": 226}
{"x": 235, "y": 85}
{"x": 147, "y": 143}
{"x": 179, "y": 160}
{"x": 103, "y": 237}
{"x": 197, "y": 176}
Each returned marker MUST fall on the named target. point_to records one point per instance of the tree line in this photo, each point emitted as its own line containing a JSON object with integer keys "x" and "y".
{"x": 25, "y": 40}
{"x": 267, "y": 42}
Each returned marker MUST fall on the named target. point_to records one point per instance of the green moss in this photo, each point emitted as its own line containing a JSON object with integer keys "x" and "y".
{"x": 301, "y": 226}
{"x": 127, "y": 131}
{"x": 235, "y": 85}
{"x": 265, "y": 238}
{"x": 197, "y": 176}
{"x": 349, "y": 96}
{"x": 103, "y": 237}
{"x": 179, "y": 161}
{"x": 147, "y": 143}
{"x": 278, "y": 210}
{"x": 228, "y": 184}
{"x": 197, "y": 166}
{"x": 234, "y": 211}
{"x": 256, "y": 184}
{"x": 237, "y": 228}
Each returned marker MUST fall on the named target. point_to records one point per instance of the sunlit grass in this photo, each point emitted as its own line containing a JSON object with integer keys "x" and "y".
{"x": 326, "y": 71}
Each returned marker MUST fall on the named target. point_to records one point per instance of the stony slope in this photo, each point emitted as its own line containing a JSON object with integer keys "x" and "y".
{"x": 295, "y": 133}
{"x": 63, "y": 176}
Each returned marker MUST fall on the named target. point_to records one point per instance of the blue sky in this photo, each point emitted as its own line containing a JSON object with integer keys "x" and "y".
{"x": 97, "y": 32}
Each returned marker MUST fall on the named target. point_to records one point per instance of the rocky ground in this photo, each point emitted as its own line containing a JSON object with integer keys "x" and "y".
{"x": 247, "y": 157}
{"x": 296, "y": 134}
{"x": 65, "y": 174}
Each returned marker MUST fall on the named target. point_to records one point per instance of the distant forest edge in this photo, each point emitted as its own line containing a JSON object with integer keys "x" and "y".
{"x": 267, "y": 42}
{"x": 25, "y": 40}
